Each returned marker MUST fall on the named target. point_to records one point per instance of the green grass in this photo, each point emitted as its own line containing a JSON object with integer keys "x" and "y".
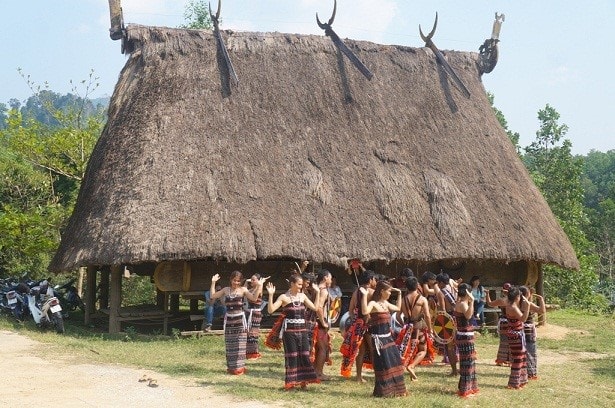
{"x": 578, "y": 370}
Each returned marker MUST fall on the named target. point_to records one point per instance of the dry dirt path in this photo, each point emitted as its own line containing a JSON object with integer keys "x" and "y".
{"x": 53, "y": 382}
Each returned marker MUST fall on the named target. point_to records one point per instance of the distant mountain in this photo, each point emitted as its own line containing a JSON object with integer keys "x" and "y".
{"x": 103, "y": 101}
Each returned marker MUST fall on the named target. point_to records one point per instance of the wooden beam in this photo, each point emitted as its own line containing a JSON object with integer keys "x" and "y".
{"x": 90, "y": 294}
{"x": 115, "y": 299}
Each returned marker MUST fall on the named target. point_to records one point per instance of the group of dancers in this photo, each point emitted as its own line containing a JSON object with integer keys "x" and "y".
{"x": 373, "y": 339}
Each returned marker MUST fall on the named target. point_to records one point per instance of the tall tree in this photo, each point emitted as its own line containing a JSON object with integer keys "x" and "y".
{"x": 599, "y": 186}
{"x": 558, "y": 176}
{"x": 196, "y": 14}
{"x": 42, "y": 165}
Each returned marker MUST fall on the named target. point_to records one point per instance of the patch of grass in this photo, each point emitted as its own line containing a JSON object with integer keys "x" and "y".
{"x": 584, "y": 360}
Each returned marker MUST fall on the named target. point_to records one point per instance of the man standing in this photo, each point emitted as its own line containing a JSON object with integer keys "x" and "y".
{"x": 418, "y": 319}
{"x": 355, "y": 347}
{"x": 323, "y": 339}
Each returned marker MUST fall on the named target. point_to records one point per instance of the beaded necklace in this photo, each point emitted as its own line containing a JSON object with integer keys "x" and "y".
{"x": 233, "y": 293}
{"x": 295, "y": 299}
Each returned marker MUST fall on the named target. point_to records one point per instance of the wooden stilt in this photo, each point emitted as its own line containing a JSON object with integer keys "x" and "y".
{"x": 115, "y": 299}
{"x": 90, "y": 294}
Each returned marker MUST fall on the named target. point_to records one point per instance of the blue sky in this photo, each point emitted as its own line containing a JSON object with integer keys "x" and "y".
{"x": 555, "y": 52}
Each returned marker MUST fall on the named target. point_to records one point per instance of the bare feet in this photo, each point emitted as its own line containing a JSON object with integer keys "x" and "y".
{"x": 453, "y": 373}
{"x": 361, "y": 380}
{"x": 413, "y": 376}
{"x": 324, "y": 377}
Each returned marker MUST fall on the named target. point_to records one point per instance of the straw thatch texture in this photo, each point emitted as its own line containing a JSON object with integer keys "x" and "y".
{"x": 302, "y": 160}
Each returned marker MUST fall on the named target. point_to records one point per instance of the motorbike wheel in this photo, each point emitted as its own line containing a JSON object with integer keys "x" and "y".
{"x": 18, "y": 313}
{"x": 58, "y": 322}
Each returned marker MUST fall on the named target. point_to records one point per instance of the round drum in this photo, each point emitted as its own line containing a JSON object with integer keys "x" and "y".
{"x": 334, "y": 311}
{"x": 444, "y": 327}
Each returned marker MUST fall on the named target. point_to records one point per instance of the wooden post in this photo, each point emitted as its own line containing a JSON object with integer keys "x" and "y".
{"x": 194, "y": 306}
{"x": 165, "y": 308}
{"x": 540, "y": 289}
{"x": 115, "y": 299}
{"x": 174, "y": 303}
{"x": 90, "y": 294}
{"x": 80, "y": 281}
{"x": 104, "y": 287}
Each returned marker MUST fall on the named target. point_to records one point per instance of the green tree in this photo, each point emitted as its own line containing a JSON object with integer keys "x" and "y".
{"x": 599, "y": 186}
{"x": 558, "y": 176}
{"x": 196, "y": 14}
{"x": 4, "y": 112}
{"x": 42, "y": 165}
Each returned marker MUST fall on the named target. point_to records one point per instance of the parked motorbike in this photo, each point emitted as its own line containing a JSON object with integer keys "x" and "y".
{"x": 11, "y": 299}
{"x": 45, "y": 308}
{"x": 69, "y": 298}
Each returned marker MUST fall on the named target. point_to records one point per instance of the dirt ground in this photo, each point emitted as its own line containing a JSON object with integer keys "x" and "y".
{"x": 54, "y": 382}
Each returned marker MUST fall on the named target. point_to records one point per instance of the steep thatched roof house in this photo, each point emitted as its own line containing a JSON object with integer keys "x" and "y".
{"x": 304, "y": 159}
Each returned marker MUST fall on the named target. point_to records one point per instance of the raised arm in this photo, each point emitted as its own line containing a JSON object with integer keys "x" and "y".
{"x": 494, "y": 303}
{"x": 365, "y": 307}
{"x": 271, "y": 305}
{"x": 314, "y": 305}
{"x": 213, "y": 295}
{"x": 253, "y": 297}
{"x": 395, "y": 307}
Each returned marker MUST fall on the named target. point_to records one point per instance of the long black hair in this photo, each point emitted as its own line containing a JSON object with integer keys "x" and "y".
{"x": 480, "y": 287}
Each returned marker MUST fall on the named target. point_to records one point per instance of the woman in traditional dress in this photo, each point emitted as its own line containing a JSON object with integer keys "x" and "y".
{"x": 529, "y": 327}
{"x": 254, "y": 317}
{"x": 299, "y": 369}
{"x": 464, "y": 337}
{"x": 503, "y": 356}
{"x": 388, "y": 369}
{"x": 235, "y": 325}
{"x": 517, "y": 311}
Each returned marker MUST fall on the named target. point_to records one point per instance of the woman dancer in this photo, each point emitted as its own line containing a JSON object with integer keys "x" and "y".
{"x": 517, "y": 311}
{"x": 388, "y": 369}
{"x": 464, "y": 312}
{"x": 503, "y": 356}
{"x": 529, "y": 327}
{"x": 235, "y": 326}
{"x": 254, "y": 317}
{"x": 299, "y": 369}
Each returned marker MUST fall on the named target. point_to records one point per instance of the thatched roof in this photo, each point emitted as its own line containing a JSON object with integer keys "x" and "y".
{"x": 287, "y": 167}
